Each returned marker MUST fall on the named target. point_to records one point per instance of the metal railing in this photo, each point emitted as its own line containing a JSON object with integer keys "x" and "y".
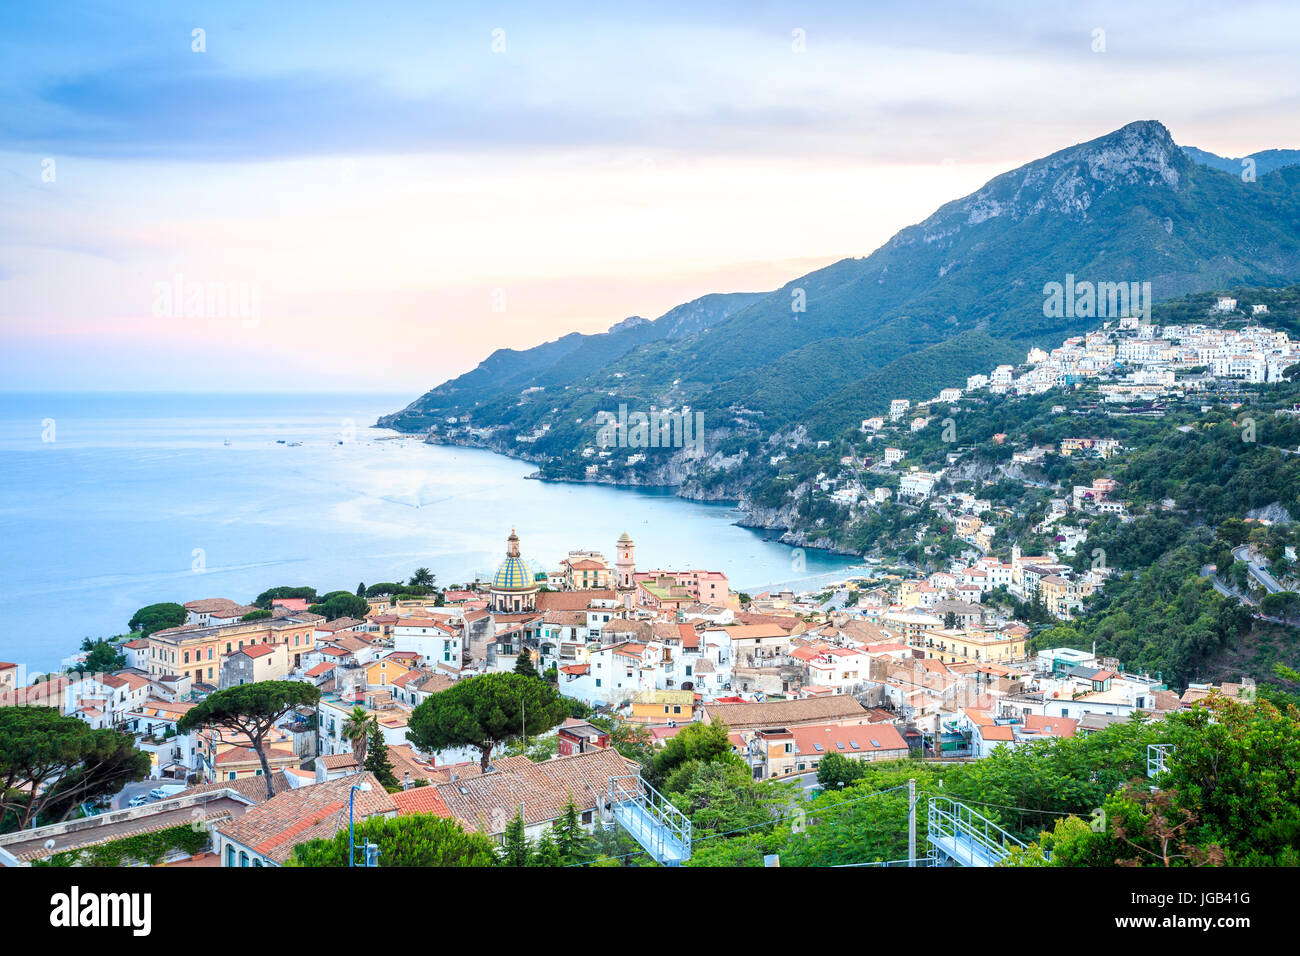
{"x": 956, "y": 821}
{"x": 1157, "y": 757}
{"x": 670, "y": 834}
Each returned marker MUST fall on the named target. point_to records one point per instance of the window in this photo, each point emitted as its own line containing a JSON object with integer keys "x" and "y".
{"x": 230, "y": 856}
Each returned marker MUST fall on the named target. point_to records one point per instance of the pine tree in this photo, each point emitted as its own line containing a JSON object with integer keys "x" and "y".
{"x": 524, "y": 665}
{"x": 546, "y": 853}
{"x": 516, "y": 848}
{"x": 571, "y": 840}
{"x": 378, "y": 763}
{"x": 361, "y": 589}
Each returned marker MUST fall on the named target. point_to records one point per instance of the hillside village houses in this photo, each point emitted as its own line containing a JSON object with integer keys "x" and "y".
{"x": 917, "y": 664}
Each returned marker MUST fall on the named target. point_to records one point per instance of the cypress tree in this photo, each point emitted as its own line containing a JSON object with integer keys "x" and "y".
{"x": 378, "y": 762}
{"x": 516, "y": 849}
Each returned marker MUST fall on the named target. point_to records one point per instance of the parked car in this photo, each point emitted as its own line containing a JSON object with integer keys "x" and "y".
{"x": 139, "y": 801}
{"x": 165, "y": 791}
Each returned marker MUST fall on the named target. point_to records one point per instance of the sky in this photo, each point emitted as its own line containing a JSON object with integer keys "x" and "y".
{"x": 375, "y": 196}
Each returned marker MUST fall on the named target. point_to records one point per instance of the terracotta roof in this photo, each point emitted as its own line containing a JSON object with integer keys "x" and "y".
{"x": 572, "y": 600}
{"x": 340, "y": 624}
{"x": 252, "y": 788}
{"x": 350, "y": 640}
{"x": 850, "y": 740}
{"x": 44, "y": 693}
{"x": 750, "y": 632}
{"x": 786, "y": 623}
{"x": 222, "y": 607}
{"x": 337, "y": 761}
{"x": 421, "y": 800}
{"x": 434, "y": 684}
{"x": 566, "y": 618}
{"x": 316, "y": 811}
{"x": 488, "y": 802}
{"x": 780, "y": 713}
{"x": 1051, "y": 726}
{"x": 249, "y": 755}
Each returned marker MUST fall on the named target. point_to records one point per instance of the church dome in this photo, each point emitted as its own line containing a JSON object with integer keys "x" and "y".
{"x": 514, "y": 573}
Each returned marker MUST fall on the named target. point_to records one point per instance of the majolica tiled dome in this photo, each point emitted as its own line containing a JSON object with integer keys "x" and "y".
{"x": 514, "y": 573}
{"x": 514, "y": 589}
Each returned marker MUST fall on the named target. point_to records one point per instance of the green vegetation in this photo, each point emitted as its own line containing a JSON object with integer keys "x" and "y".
{"x": 564, "y": 843}
{"x": 271, "y": 594}
{"x": 157, "y": 617}
{"x": 419, "y": 839}
{"x": 251, "y": 710}
{"x": 484, "y": 711}
{"x": 925, "y": 309}
{"x": 1230, "y": 795}
{"x": 101, "y": 658}
{"x": 146, "y": 848}
{"x": 51, "y": 764}
{"x": 377, "y": 761}
{"x": 1163, "y": 618}
{"x": 339, "y": 604}
{"x": 524, "y": 665}
{"x": 356, "y": 731}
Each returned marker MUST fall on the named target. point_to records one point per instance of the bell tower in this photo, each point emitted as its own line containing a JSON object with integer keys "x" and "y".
{"x": 625, "y": 569}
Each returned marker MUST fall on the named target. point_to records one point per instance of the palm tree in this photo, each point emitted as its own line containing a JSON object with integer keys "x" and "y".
{"x": 422, "y": 576}
{"x": 356, "y": 730}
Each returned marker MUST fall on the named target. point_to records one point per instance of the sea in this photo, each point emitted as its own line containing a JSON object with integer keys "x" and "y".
{"x": 112, "y": 501}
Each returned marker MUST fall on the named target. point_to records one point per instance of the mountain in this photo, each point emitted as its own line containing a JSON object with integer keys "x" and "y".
{"x": 506, "y": 372}
{"x": 1265, "y": 161}
{"x": 959, "y": 292}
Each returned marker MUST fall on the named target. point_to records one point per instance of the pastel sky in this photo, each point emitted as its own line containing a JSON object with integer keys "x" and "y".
{"x": 401, "y": 188}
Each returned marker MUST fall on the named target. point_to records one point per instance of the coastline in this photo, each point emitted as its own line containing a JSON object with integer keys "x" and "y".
{"x": 148, "y": 498}
{"x": 749, "y": 519}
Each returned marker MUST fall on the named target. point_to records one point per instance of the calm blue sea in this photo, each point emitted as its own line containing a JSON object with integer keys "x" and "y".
{"x": 109, "y": 502}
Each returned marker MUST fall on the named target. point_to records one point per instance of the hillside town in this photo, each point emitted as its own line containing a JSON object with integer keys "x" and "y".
{"x": 1125, "y": 368}
{"x": 911, "y": 667}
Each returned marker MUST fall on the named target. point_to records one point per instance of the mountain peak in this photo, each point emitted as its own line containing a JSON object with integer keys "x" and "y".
{"x": 631, "y": 322}
{"x": 1068, "y": 182}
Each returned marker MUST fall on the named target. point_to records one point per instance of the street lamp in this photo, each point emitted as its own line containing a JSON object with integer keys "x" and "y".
{"x": 371, "y": 857}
